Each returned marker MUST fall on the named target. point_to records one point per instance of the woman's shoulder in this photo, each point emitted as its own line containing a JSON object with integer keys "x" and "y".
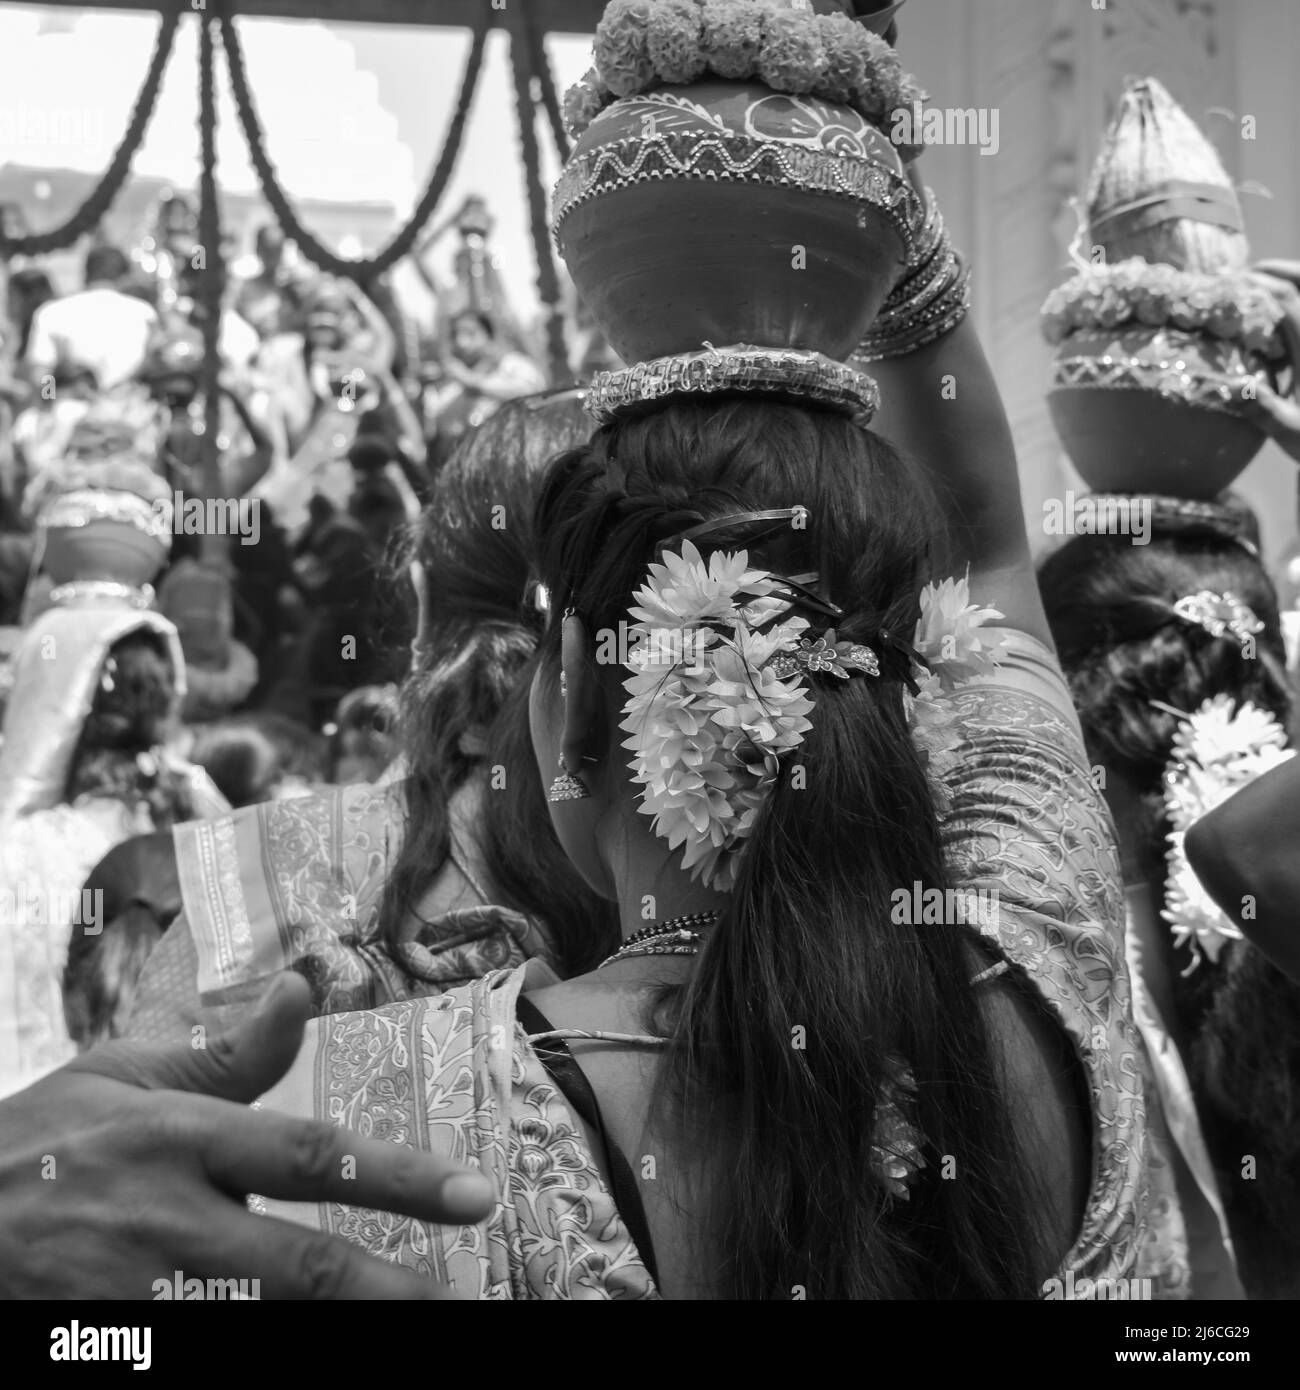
{"x": 455, "y": 1073}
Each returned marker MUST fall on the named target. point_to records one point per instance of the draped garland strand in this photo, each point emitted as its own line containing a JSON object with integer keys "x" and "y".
{"x": 212, "y": 285}
{"x": 364, "y": 269}
{"x": 548, "y": 285}
{"x": 541, "y": 64}
{"x": 104, "y": 194}
{"x": 529, "y": 60}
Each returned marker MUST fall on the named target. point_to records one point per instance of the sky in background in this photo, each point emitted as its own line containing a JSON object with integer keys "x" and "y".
{"x": 349, "y": 111}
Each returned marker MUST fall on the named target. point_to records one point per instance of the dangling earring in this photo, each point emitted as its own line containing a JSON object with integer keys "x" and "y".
{"x": 567, "y": 787}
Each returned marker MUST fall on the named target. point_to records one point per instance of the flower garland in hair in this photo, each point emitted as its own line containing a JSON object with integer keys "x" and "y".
{"x": 708, "y": 718}
{"x": 718, "y": 695}
{"x": 1217, "y": 751}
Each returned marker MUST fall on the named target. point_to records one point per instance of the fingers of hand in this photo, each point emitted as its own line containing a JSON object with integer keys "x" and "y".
{"x": 292, "y": 1261}
{"x": 1275, "y": 416}
{"x": 310, "y": 1161}
{"x": 1280, "y": 269}
{"x": 240, "y": 1064}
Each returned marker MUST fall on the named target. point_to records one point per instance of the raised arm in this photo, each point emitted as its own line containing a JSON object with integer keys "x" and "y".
{"x": 941, "y": 407}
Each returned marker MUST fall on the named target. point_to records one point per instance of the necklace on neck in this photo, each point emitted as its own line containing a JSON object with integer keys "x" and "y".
{"x": 675, "y": 936}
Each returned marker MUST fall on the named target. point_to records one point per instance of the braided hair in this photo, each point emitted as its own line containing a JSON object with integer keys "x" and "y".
{"x": 119, "y": 752}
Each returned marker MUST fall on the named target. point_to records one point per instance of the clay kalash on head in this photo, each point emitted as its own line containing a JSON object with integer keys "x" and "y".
{"x": 104, "y": 516}
{"x": 739, "y": 222}
{"x": 735, "y": 212}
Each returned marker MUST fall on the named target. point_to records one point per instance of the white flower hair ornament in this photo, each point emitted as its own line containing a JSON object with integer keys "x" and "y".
{"x": 1217, "y": 751}
{"x": 718, "y": 691}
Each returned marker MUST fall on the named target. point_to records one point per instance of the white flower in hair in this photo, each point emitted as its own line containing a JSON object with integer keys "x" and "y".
{"x": 714, "y": 704}
{"x": 1220, "y": 734}
{"x": 708, "y": 719}
{"x": 1216, "y": 752}
{"x": 948, "y": 633}
{"x": 682, "y": 590}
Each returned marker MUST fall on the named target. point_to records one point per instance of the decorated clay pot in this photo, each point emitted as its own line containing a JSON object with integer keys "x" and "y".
{"x": 97, "y": 534}
{"x": 724, "y": 212}
{"x": 1154, "y": 410}
{"x": 102, "y": 550}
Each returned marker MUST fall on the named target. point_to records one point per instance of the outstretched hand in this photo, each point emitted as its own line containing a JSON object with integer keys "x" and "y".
{"x": 132, "y": 1164}
{"x": 1279, "y": 416}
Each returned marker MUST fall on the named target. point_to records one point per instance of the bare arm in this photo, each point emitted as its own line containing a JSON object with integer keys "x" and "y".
{"x": 1279, "y": 416}
{"x": 941, "y": 408}
{"x": 1246, "y": 853}
{"x": 255, "y": 465}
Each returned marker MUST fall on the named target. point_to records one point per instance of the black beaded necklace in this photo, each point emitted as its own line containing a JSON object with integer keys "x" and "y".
{"x": 675, "y": 936}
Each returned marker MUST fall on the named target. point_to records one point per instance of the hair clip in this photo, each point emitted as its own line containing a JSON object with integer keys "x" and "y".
{"x": 1219, "y": 614}
{"x": 734, "y": 519}
{"x": 910, "y": 656}
{"x": 826, "y": 655}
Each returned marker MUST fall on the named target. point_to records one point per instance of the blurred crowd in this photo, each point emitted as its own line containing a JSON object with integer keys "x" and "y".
{"x": 337, "y": 408}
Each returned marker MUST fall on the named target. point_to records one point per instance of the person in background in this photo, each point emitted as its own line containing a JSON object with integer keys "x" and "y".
{"x": 172, "y": 372}
{"x": 101, "y": 325}
{"x": 426, "y": 878}
{"x": 365, "y": 738}
{"x": 380, "y": 447}
{"x": 340, "y": 646}
{"x": 304, "y": 754}
{"x": 271, "y": 299}
{"x": 1137, "y": 634}
{"x": 345, "y": 379}
{"x": 43, "y": 430}
{"x": 85, "y": 764}
{"x": 480, "y": 372}
{"x": 28, "y": 290}
{"x": 138, "y": 893}
{"x": 247, "y": 764}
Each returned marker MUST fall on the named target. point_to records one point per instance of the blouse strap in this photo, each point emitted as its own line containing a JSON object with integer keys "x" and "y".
{"x": 582, "y": 1034}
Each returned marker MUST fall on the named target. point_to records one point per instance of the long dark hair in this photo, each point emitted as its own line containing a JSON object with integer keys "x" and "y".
{"x": 136, "y": 887}
{"x": 464, "y": 708}
{"x": 1110, "y": 602}
{"x": 118, "y": 753}
{"x": 1110, "y": 607}
{"x": 806, "y": 948}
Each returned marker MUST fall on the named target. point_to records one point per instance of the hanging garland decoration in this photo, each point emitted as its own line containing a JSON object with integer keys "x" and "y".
{"x": 366, "y": 268}
{"x": 104, "y": 194}
{"x": 548, "y": 285}
{"x": 541, "y": 64}
{"x": 212, "y": 285}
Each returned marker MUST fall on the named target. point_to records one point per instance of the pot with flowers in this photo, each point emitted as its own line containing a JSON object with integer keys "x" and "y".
{"x": 733, "y": 178}
{"x": 1162, "y": 334}
{"x": 1154, "y": 372}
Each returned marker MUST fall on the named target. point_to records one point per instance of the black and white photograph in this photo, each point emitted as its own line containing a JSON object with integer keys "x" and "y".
{"x": 649, "y": 650}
